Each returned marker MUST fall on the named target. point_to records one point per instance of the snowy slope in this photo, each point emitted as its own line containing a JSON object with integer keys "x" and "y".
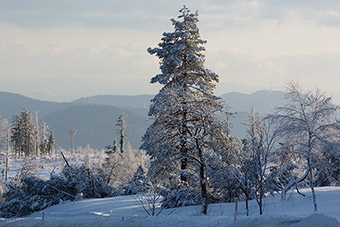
{"x": 123, "y": 211}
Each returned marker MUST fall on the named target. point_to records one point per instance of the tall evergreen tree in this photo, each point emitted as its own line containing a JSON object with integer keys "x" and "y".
{"x": 23, "y": 134}
{"x": 185, "y": 128}
{"x": 51, "y": 141}
{"x": 121, "y": 129}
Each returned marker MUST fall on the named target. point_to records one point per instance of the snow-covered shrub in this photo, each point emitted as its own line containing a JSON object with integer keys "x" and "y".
{"x": 83, "y": 180}
{"x": 119, "y": 168}
{"x": 26, "y": 194}
{"x": 138, "y": 184}
{"x": 225, "y": 186}
{"x": 280, "y": 176}
{"x": 150, "y": 201}
{"x": 178, "y": 193}
{"x": 30, "y": 167}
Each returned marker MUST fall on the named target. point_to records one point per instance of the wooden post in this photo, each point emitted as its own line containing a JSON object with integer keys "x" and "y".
{"x": 65, "y": 159}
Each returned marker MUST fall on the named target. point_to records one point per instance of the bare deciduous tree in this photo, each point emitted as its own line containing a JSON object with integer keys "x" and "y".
{"x": 308, "y": 120}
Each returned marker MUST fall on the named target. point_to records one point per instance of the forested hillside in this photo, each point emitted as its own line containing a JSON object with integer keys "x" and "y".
{"x": 88, "y": 114}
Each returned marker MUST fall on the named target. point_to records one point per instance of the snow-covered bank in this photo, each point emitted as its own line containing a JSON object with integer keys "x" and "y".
{"x": 123, "y": 211}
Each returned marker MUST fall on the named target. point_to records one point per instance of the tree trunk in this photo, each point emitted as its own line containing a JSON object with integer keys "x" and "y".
{"x": 292, "y": 183}
{"x": 310, "y": 166}
{"x": 111, "y": 171}
{"x": 261, "y": 198}
{"x": 203, "y": 181}
{"x": 72, "y": 143}
{"x": 203, "y": 190}
{"x": 122, "y": 143}
{"x": 7, "y": 164}
{"x": 260, "y": 205}
{"x": 312, "y": 185}
{"x": 236, "y": 210}
{"x": 184, "y": 161}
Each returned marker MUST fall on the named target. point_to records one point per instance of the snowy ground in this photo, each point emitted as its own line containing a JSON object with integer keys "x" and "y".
{"x": 123, "y": 211}
{"x": 54, "y": 163}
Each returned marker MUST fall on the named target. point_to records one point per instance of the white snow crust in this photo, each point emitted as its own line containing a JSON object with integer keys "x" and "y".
{"x": 124, "y": 211}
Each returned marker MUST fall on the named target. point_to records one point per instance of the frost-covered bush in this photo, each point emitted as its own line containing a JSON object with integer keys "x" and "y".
{"x": 138, "y": 184}
{"x": 26, "y": 194}
{"x": 177, "y": 193}
{"x": 30, "y": 167}
{"x": 83, "y": 180}
{"x": 119, "y": 168}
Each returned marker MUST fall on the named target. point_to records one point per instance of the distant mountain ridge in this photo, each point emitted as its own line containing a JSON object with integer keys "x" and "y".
{"x": 94, "y": 117}
{"x": 263, "y": 101}
{"x": 133, "y": 101}
{"x": 12, "y": 104}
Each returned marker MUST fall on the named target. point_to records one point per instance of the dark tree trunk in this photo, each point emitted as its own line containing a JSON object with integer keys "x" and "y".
{"x": 204, "y": 193}
{"x": 122, "y": 143}
{"x": 184, "y": 162}
{"x": 260, "y": 199}
{"x": 260, "y": 205}
{"x": 203, "y": 181}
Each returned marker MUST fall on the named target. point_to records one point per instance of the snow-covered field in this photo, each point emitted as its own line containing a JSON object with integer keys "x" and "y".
{"x": 123, "y": 211}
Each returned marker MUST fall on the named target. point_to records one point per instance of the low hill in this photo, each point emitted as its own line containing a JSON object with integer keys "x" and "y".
{"x": 95, "y": 125}
{"x": 12, "y": 104}
{"x": 94, "y": 117}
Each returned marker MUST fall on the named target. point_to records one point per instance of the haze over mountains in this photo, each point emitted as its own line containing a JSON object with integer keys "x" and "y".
{"x": 94, "y": 117}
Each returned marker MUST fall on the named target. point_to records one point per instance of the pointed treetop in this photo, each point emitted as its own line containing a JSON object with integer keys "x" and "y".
{"x": 185, "y": 11}
{"x": 181, "y": 55}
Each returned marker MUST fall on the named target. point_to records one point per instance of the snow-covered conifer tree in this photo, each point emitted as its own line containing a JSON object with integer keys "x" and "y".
{"x": 138, "y": 184}
{"x": 51, "y": 141}
{"x": 185, "y": 127}
{"x": 23, "y": 134}
{"x": 121, "y": 129}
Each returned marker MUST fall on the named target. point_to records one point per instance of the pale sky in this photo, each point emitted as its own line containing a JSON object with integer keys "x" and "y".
{"x": 74, "y": 48}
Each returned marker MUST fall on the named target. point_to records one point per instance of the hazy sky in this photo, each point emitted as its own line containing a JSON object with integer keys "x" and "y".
{"x": 73, "y": 48}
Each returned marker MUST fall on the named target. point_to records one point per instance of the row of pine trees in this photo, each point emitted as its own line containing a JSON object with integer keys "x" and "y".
{"x": 25, "y": 136}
